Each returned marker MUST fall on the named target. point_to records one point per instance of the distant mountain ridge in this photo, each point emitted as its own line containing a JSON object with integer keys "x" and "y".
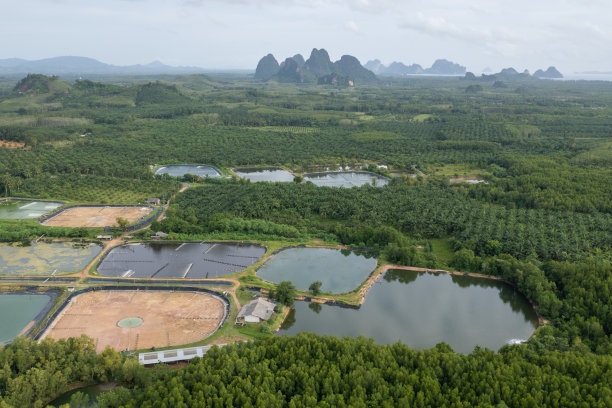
{"x": 71, "y": 65}
{"x": 512, "y": 74}
{"x": 318, "y": 68}
{"x": 439, "y": 67}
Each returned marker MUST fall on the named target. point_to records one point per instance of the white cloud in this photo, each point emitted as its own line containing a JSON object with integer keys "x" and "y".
{"x": 352, "y": 26}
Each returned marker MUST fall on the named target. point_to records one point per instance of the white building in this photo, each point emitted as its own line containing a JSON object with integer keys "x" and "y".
{"x": 255, "y": 311}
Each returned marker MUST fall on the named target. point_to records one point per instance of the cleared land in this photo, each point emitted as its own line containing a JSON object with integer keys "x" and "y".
{"x": 169, "y": 318}
{"x": 97, "y": 217}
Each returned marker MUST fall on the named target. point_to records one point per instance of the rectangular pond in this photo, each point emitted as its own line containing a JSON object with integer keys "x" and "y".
{"x": 180, "y": 170}
{"x": 23, "y": 210}
{"x": 179, "y": 260}
{"x": 339, "y": 271}
{"x": 45, "y": 258}
{"x": 346, "y": 179}
{"x": 18, "y": 312}
{"x": 423, "y": 309}
{"x": 271, "y": 174}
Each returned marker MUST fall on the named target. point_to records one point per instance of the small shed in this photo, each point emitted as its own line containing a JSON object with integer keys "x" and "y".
{"x": 104, "y": 237}
{"x": 256, "y": 311}
{"x": 153, "y": 201}
{"x": 159, "y": 235}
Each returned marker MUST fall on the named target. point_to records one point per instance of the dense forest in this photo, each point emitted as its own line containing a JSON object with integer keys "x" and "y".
{"x": 538, "y": 214}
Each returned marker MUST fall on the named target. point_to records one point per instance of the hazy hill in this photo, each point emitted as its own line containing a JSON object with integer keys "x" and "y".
{"x": 85, "y": 66}
{"x": 266, "y": 68}
{"x": 38, "y": 83}
{"x": 550, "y": 73}
{"x": 318, "y": 68}
{"x": 439, "y": 67}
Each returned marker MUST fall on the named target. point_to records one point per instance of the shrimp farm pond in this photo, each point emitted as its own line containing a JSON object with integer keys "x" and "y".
{"x": 346, "y": 179}
{"x": 180, "y": 170}
{"x": 25, "y": 210}
{"x": 271, "y": 174}
{"x": 423, "y": 309}
{"x": 179, "y": 259}
{"x": 18, "y": 313}
{"x": 339, "y": 271}
{"x": 45, "y": 258}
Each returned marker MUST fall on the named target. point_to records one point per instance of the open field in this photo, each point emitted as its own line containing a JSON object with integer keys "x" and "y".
{"x": 167, "y": 318}
{"x": 96, "y": 217}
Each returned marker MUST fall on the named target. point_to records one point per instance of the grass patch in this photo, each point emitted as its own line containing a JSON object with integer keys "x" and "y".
{"x": 442, "y": 250}
{"x": 422, "y": 117}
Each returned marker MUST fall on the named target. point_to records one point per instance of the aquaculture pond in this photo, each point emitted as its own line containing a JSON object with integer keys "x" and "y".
{"x": 338, "y": 270}
{"x": 179, "y": 260}
{"x": 18, "y": 313}
{"x": 423, "y": 309}
{"x": 264, "y": 174}
{"x": 346, "y": 179}
{"x": 46, "y": 258}
{"x": 195, "y": 169}
{"x": 22, "y": 210}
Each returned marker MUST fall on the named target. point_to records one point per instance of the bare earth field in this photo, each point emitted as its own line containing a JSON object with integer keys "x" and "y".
{"x": 96, "y": 217}
{"x": 168, "y": 318}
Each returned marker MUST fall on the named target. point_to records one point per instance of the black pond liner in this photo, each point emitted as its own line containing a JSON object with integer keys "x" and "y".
{"x": 132, "y": 288}
{"x": 154, "y": 274}
{"x": 157, "y": 281}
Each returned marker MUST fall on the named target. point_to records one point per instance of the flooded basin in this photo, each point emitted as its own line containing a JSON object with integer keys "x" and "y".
{"x": 272, "y": 174}
{"x": 346, "y": 179}
{"x": 23, "y": 210}
{"x": 196, "y": 169}
{"x": 179, "y": 260}
{"x": 19, "y": 312}
{"x": 423, "y": 309}
{"x": 46, "y": 258}
{"x": 339, "y": 271}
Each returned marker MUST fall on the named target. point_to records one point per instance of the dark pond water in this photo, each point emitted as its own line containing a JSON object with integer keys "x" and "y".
{"x": 346, "y": 179}
{"x": 17, "y": 311}
{"x": 91, "y": 392}
{"x": 22, "y": 210}
{"x": 423, "y": 309}
{"x": 179, "y": 260}
{"x": 182, "y": 169}
{"x": 340, "y": 271}
{"x": 273, "y": 174}
{"x": 45, "y": 258}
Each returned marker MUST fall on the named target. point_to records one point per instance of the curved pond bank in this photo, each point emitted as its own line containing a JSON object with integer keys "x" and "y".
{"x": 180, "y": 170}
{"x": 422, "y": 309}
{"x": 339, "y": 271}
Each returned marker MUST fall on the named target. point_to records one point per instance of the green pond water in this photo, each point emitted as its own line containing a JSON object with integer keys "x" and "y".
{"x": 17, "y": 311}
{"x": 423, "y": 309}
{"x": 340, "y": 271}
{"x": 45, "y": 258}
{"x": 21, "y": 210}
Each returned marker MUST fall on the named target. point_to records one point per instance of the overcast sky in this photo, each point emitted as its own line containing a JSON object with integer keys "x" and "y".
{"x": 573, "y": 35}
